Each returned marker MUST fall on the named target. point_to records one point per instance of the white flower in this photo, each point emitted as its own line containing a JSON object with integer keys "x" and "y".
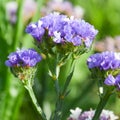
{"x": 106, "y": 114}
{"x": 57, "y": 37}
{"x": 75, "y": 113}
{"x": 117, "y": 56}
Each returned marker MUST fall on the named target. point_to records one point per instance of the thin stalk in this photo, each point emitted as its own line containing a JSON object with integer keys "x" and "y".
{"x": 61, "y": 94}
{"x": 58, "y": 110}
{"x": 34, "y": 100}
{"x": 59, "y": 102}
{"x": 101, "y": 105}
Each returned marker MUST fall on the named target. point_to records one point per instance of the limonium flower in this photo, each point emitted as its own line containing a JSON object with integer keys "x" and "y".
{"x": 113, "y": 81}
{"x": 75, "y": 113}
{"x": 88, "y": 115}
{"x": 62, "y": 30}
{"x": 109, "y": 64}
{"x": 22, "y": 58}
{"x": 104, "y": 61}
{"x": 22, "y": 63}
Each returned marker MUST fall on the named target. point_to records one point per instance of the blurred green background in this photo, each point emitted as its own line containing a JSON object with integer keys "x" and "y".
{"x": 15, "y": 103}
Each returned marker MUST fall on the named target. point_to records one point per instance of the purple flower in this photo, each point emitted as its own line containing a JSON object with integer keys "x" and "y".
{"x": 113, "y": 81}
{"x": 117, "y": 82}
{"x": 108, "y": 115}
{"x": 22, "y": 58}
{"x": 94, "y": 60}
{"x": 109, "y": 62}
{"x": 87, "y": 115}
{"x": 63, "y": 29}
{"x": 36, "y": 30}
{"x": 110, "y": 80}
{"x": 104, "y": 61}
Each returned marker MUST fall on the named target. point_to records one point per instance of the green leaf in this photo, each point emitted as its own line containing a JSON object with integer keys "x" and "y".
{"x": 67, "y": 82}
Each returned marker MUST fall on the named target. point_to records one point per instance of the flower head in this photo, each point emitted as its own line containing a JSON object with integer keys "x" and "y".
{"x": 36, "y": 30}
{"x": 62, "y": 29}
{"x": 22, "y": 64}
{"x": 108, "y": 64}
{"x": 104, "y": 61}
{"x": 22, "y": 58}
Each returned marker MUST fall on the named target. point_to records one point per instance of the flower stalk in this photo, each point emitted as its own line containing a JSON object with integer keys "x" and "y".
{"x": 61, "y": 93}
{"x": 104, "y": 99}
{"x": 34, "y": 100}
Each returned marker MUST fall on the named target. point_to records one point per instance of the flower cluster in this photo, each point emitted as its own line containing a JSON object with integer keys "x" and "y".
{"x": 62, "y": 29}
{"x": 22, "y": 58}
{"x": 104, "y": 61}
{"x": 77, "y": 114}
{"x": 22, "y": 64}
{"x": 108, "y": 62}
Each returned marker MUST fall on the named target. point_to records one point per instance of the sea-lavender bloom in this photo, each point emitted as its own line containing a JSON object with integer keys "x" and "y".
{"x": 75, "y": 114}
{"x": 63, "y": 29}
{"x": 110, "y": 80}
{"x": 22, "y": 58}
{"x": 104, "y": 61}
{"x": 88, "y": 115}
{"x": 109, "y": 64}
{"x": 108, "y": 115}
{"x": 113, "y": 81}
{"x": 94, "y": 60}
{"x": 36, "y": 30}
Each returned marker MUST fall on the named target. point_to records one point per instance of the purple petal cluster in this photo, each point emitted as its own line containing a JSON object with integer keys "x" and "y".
{"x": 87, "y": 115}
{"x": 63, "y": 29}
{"x": 104, "y": 61}
{"x": 113, "y": 81}
{"x": 77, "y": 114}
{"x": 22, "y": 58}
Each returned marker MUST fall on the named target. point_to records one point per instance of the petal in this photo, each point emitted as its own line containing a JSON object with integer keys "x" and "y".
{"x": 110, "y": 80}
{"x": 117, "y": 82}
{"x": 8, "y": 63}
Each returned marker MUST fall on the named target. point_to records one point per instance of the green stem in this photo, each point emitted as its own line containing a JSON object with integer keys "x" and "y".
{"x": 101, "y": 104}
{"x": 59, "y": 102}
{"x": 34, "y": 100}
{"x": 58, "y": 110}
{"x": 61, "y": 94}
